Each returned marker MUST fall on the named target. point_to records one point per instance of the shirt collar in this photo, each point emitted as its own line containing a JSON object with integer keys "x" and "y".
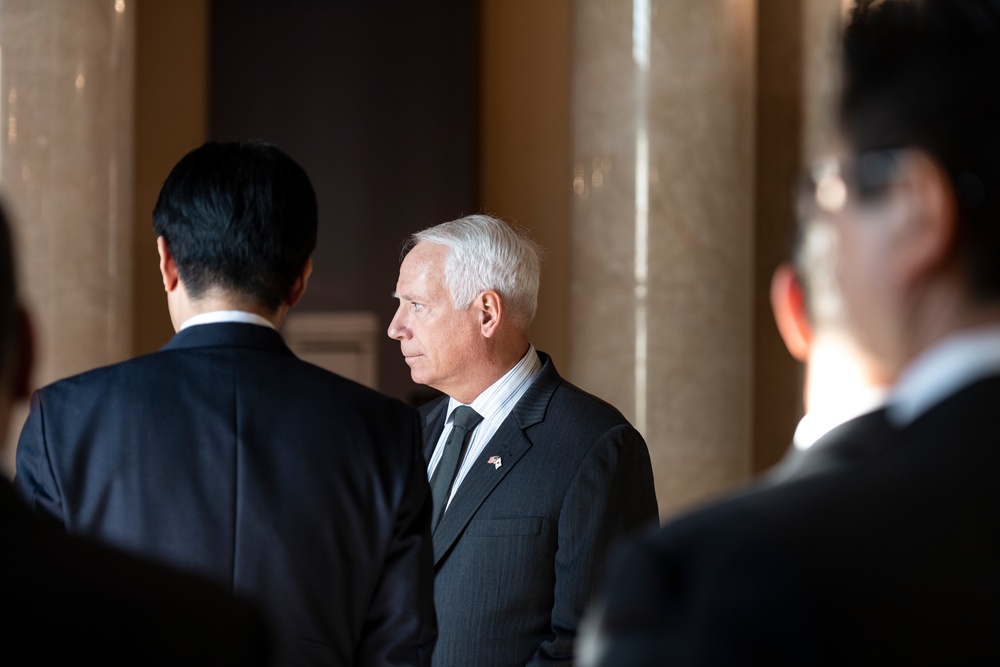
{"x": 945, "y": 368}
{"x": 494, "y": 398}
{"x": 217, "y": 316}
{"x": 817, "y": 423}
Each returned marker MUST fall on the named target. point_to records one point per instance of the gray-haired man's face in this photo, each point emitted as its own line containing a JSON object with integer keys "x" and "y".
{"x": 441, "y": 344}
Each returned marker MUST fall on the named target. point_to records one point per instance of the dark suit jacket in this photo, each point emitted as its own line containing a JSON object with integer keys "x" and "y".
{"x": 68, "y": 602}
{"x": 847, "y": 444}
{"x": 521, "y": 548}
{"x": 894, "y": 559}
{"x": 226, "y": 455}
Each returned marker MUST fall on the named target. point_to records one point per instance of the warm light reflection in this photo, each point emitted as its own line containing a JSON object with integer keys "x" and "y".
{"x": 839, "y": 386}
{"x": 640, "y": 33}
{"x": 845, "y": 8}
{"x": 831, "y": 193}
{"x": 579, "y": 185}
{"x": 640, "y": 53}
{"x": 11, "y": 116}
{"x": 120, "y": 6}
{"x": 600, "y": 167}
{"x": 81, "y": 80}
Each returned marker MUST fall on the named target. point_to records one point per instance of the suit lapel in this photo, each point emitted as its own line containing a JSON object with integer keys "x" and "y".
{"x": 510, "y": 443}
{"x": 433, "y": 414}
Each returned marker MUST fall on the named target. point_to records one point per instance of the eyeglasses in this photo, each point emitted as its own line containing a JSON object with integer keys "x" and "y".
{"x": 830, "y": 183}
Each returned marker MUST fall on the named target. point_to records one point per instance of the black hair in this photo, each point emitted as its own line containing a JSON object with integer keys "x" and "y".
{"x": 925, "y": 74}
{"x": 239, "y": 216}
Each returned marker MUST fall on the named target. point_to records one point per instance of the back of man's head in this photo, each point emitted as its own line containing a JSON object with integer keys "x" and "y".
{"x": 240, "y": 218}
{"x": 486, "y": 253}
{"x": 926, "y": 75}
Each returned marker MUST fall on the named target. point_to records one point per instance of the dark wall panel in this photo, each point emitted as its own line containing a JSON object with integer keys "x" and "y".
{"x": 377, "y": 99}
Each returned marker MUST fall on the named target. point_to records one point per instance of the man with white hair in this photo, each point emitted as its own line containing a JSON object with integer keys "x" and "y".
{"x": 533, "y": 479}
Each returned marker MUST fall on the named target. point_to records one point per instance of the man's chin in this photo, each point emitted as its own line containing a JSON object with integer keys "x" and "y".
{"x": 417, "y": 375}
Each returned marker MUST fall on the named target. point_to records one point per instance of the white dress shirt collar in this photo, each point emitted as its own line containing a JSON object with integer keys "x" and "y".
{"x": 498, "y": 395}
{"x": 817, "y": 423}
{"x": 217, "y": 316}
{"x": 944, "y": 369}
{"x": 494, "y": 404}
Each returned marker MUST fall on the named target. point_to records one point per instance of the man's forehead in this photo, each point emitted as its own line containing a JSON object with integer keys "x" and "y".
{"x": 427, "y": 252}
{"x": 421, "y": 273}
{"x": 424, "y": 262}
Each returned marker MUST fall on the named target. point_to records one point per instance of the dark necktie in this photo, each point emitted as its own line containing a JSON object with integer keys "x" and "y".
{"x": 464, "y": 420}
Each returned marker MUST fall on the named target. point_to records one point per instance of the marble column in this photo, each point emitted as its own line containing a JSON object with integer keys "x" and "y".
{"x": 66, "y": 81}
{"x": 797, "y": 83}
{"x": 662, "y": 230}
{"x": 822, "y": 23}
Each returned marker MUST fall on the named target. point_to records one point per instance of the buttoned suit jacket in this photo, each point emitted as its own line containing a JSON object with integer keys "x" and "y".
{"x": 68, "y": 601}
{"x": 891, "y": 558}
{"x": 522, "y": 547}
{"x": 226, "y": 455}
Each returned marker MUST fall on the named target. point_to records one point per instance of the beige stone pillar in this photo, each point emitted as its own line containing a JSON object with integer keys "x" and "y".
{"x": 797, "y": 83}
{"x": 524, "y": 142}
{"x": 66, "y": 80}
{"x": 822, "y": 21}
{"x": 661, "y": 232}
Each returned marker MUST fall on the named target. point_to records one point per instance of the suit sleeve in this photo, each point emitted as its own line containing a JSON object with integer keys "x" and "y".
{"x": 401, "y": 627}
{"x": 610, "y": 498}
{"x": 34, "y": 480}
{"x": 627, "y": 626}
{"x": 720, "y": 587}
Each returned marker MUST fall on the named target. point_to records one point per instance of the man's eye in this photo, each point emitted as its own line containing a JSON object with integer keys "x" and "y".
{"x": 417, "y": 306}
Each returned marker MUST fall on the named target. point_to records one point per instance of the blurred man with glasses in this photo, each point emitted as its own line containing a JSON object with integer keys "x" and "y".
{"x": 893, "y": 558}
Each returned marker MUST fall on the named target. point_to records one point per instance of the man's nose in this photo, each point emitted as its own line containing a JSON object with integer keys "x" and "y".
{"x": 397, "y": 329}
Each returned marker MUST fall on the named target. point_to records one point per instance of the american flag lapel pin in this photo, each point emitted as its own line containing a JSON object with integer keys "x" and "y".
{"x": 496, "y": 461}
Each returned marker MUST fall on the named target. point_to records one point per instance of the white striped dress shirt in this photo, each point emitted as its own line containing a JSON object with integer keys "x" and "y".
{"x": 494, "y": 404}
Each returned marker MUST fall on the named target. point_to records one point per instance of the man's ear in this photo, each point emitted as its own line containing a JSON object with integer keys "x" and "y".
{"x": 168, "y": 267}
{"x": 789, "y": 306}
{"x": 299, "y": 286}
{"x": 490, "y": 307}
{"x": 927, "y": 223}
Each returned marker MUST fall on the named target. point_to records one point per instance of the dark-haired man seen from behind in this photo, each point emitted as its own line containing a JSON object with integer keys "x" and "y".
{"x": 226, "y": 455}
{"x": 70, "y": 601}
{"x": 893, "y": 557}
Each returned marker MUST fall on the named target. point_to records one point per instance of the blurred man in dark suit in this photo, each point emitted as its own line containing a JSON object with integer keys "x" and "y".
{"x": 843, "y": 380}
{"x": 533, "y": 479}
{"x": 226, "y": 455}
{"x": 894, "y": 559}
{"x": 70, "y": 601}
